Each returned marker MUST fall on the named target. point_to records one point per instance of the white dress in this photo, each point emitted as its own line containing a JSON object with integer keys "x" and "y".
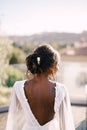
{"x": 20, "y": 116}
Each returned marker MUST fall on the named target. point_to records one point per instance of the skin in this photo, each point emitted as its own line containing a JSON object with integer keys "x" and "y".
{"x": 40, "y": 92}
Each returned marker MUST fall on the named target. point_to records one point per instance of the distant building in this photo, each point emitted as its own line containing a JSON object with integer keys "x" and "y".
{"x": 78, "y": 50}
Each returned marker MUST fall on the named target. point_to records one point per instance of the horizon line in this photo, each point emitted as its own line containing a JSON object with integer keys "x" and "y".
{"x": 43, "y": 32}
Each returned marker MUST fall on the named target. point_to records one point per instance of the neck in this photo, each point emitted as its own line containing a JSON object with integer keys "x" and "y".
{"x": 42, "y": 81}
{"x": 41, "y": 77}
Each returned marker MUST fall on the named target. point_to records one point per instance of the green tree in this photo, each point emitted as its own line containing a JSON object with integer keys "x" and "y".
{"x": 13, "y": 74}
{"x": 5, "y": 51}
{"x": 17, "y": 56}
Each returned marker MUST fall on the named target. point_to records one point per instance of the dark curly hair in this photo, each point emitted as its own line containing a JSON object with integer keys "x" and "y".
{"x": 44, "y": 59}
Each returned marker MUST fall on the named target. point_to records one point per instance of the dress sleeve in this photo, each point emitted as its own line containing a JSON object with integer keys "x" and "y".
{"x": 13, "y": 110}
{"x": 65, "y": 113}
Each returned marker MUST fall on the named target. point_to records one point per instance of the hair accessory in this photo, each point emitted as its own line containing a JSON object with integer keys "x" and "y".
{"x": 38, "y": 60}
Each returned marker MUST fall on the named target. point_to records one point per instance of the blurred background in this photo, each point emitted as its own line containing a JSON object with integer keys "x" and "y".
{"x": 25, "y": 24}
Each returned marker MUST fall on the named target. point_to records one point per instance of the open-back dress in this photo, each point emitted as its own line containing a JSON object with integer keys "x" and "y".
{"x": 20, "y": 116}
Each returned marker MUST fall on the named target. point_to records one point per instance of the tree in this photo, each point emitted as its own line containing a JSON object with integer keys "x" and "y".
{"x": 5, "y": 50}
{"x": 17, "y": 56}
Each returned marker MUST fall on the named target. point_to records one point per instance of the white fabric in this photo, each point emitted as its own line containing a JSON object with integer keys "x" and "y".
{"x": 20, "y": 116}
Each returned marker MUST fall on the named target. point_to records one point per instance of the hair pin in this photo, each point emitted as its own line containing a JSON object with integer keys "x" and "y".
{"x": 38, "y": 60}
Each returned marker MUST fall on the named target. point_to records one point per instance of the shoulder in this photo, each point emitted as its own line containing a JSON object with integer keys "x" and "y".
{"x": 60, "y": 89}
{"x": 19, "y": 83}
{"x": 60, "y": 86}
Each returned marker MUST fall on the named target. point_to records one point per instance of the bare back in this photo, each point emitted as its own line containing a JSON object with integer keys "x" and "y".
{"x": 41, "y": 97}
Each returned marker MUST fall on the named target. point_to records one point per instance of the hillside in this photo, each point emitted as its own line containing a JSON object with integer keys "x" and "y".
{"x": 50, "y": 37}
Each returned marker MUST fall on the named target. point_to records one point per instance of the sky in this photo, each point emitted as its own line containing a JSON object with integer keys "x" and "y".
{"x": 27, "y": 17}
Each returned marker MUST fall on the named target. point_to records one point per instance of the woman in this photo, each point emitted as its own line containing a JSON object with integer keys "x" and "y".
{"x": 40, "y": 103}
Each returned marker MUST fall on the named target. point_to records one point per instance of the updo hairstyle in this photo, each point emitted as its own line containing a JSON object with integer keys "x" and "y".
{"x": 44, "y": 59}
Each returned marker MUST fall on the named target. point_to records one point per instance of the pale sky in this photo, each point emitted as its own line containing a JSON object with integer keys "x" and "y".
{"x": 26, "y": 17}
